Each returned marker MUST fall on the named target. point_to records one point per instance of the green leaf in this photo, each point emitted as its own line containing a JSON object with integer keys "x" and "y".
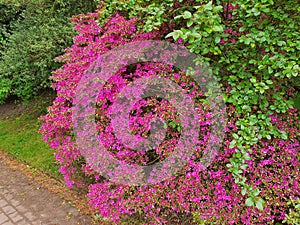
{"x": 232, "y": 144}
{"x": 284, "y": 135}
{"x": 256, "y": 192}
{"x": 165, "y": 126}
{"x": 235, "y": 136}
{"x": 177, "y": 34}
{"x": 169, "y": 35}
{"x": 260, "y": 204}
{"x": 178, "y": 17}
{"x": 217, "y": 28}
{"x": 270, "y": 70}
{"x": 244, "y": 191}
{"x": 248, "y": 40}
{"x": 238, "y": 155}
{"x": 187, "y": 15}
{"x": 189, "y": 23}
{"x": 269, "y": 82}
{"x": 249, "y": 201}
{"x": 208, "y": 6}
{"x": 217, "y": 8}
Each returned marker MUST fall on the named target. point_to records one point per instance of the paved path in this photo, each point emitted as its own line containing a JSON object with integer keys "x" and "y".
{"x": 23, "y": 202}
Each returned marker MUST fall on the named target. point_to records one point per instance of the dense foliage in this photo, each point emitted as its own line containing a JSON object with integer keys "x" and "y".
{"x": 253, "y": 49}
{"x": 32, "y": 34}
{"x": 10, "y": 12}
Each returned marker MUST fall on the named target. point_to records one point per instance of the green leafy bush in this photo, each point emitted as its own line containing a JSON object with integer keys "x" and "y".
{"x": 10, "y": 13}
{"x": 253, "y": 47}
{"x": 38, "y": 35}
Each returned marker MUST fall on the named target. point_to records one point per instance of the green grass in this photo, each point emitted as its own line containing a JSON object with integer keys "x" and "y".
{"x": 20, "y": 138}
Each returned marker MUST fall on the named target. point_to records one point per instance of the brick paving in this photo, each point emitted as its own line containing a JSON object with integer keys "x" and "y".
{"x": 23, "y": 202}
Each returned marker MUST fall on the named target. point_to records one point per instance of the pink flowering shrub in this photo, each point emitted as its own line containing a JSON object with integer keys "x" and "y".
{"x": 212, "y": 195}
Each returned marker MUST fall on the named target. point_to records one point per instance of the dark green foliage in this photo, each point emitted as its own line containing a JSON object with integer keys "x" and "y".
{"x": 33, "y": 35}
{"x": 10, "y": 12}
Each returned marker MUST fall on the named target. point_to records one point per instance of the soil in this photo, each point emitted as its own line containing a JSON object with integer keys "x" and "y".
{"x": 35, "y": 107}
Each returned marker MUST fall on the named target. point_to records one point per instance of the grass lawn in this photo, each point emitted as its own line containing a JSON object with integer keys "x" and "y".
{"x": 20, "y": 138}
